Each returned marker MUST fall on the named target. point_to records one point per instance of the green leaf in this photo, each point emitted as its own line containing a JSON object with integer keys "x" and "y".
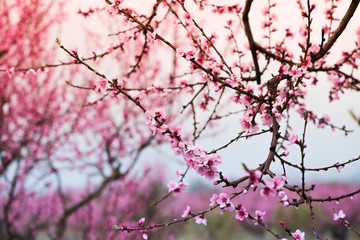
{"x": 115, "y": 227}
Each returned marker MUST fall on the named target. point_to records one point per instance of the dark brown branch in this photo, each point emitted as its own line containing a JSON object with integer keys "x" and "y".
{"x": 345, "y": 20}
{"x": 312, "y": 216}
{"x": 249, "y": 35}
{"x": 192, "y": 100}
{"x": 336, "y": 165}
{"x": 211, "y": 115}
{"x": 3, "y": 52}
{"x": 332, "y": 199}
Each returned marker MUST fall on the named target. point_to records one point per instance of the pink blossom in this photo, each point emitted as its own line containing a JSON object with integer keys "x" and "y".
{"x": 141, "y": 221}
{"x": 223, "y": 200}
{"x": 200, "y": 219}
{"x": 234, "y": 80}
{"x": 101, "y": 85}
{"x": 293, "y": 139}
{"x": 298, "y": 235}
{"x": 338, "y": 168}
{"x": 224, "y": 203}
{"x": 10, "y": 72}
{"x": 282, "y": 195}
{"x": 241, "y": 213}
{"x": 112, "y": 9}
{"x": 188, "y": 18}
{"x": 273, "y": 185}
{"x": 339, "y": 215}
{"x": 248, "y": 124}
{"x": 148, "y": 118}
{"x": 267, "y": 191}
{"x": 213, "y": 199}
{"x": 266, "y": 119}
{"x": 278, "y": 182}
{"x": 254, "y": 176}
{"x": 176, "y": 187}
{"x": 180, "y": 52}
{"x": 113, "y": 94}
{"x": 145, "y": 236}
{"x": 323, "y": 121}
{"x": 204, "y": 164}
{"x": 151, "y": 36}
{"x": 186, "y": 212}
{"x": 191, "y": 53}
{"x": 259, "y": 217}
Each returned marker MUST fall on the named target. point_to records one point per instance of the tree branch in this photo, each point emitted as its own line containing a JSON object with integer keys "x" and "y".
{"x": 345, "y": 20}
{"x": 249, "y": 35}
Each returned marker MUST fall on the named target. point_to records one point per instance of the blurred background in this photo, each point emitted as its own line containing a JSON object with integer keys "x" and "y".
{"x": 159, "y": 164}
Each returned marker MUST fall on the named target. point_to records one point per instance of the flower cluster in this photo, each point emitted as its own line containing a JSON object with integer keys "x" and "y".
{"x": 259, "y": 217}
{"x": 293, "y": 139}
{"x": 156, "y": 122}
{"x": 195, "y": 156}
{"x": 200, "y": 219}
{"x": 186, "y": 212}
{"x": 339, "y": 215}
{"x": 298, "y": 235}
{"x": 253, "y": 176}
{"x": 241, "y": 213}
{"x": 176, "y": 187}
{"x": 204, "y": 164}
{"x": 151, "y": 38}
{"x": 205, "y": 102}
{"x": 274, "y": 188}
{"x": 248, "y": 123}
{"x": 224, "y": 202}
{"x": 101, "y": 85}
{"x": 187, "y": 55}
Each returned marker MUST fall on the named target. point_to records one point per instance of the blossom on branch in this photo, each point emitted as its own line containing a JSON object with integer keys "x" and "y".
{"x": 259, "y": 217}
{"x": 339, "y": 215}
{"x": 298, "y": 235}
{"x": 186, "y": 212}
{"x": 241, "y": 213}
{"x": 176, "y": 187}
{"x": 200, "y": 219}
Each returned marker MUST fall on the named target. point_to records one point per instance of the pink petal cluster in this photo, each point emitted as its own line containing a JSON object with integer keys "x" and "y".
{"x": 141, "y": 221}
{"x": 293, "y": 139}
{"x": 241, "y": 213}
{"x": 254, "y": 176}
{"x": 298, "y": 235}
{"x": 200, "y": 220}
{"x": 273, "y": 188}
{"x": 248, "y": 124}
{"x": 151, "y": 37}
{"x": 339, "y": 215}
{"x": 176, "y": 187}
{"x": 187, "y": 55}
{"x": 156, "y": 122}
{"x": 259, "y": 217}
{"x": 195, "y": 156}
{"x": 224, "y": 202}
{"x": 101, "y": 85}
{"x": 186, "y": 212}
